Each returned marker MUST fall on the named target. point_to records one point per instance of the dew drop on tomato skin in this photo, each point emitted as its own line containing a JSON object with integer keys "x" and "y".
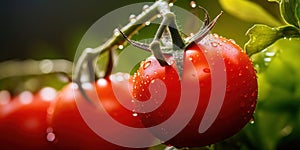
{"x": 214, "y": 44}
{"x": 206, "y": 70}
{"x": 50, "y": 136}
{"x": 146, "y": 64}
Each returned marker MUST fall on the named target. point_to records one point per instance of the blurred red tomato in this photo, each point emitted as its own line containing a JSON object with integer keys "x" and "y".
{"x": 23, "y": 120}
{"x": 69, "y": 127}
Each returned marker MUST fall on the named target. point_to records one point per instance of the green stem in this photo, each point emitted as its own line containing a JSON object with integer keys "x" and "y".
{"x": 34, "y": 67}
{"x": 130, "y": 29}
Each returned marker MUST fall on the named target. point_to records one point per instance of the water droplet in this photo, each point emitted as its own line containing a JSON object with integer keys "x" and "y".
{"x": 193, "y": 4}
{"x": 132, "y": 18}
{"x": 206, "y": 70}
{"x": 240, "y": 74}
{"x": 120, "y": 46}
{"x": 171, "y": 4}
{"x": 232, "y": 41}
{"x": 102, "y": 82}
{"x": 152, "y": 81}
{"x": 145, "y": 7}
{"x": 247, "y": 67}
{"x": 50, "y": 135}
{"x": 270, "y": 54}
{"x": 134, "y": 114}
{"x": 159, "y": 16}
{"x": 146, "y": 64}
{"x": 267, "y": 59}
{"x": 246, "y": 95}
{"x": 216, "y": 35}
{"x": 74, "y": 86}
{"x": 191, "y": 58}
{"x": 214, "y": 44}
{"x": 286, "y": 130}
{"x": 147, "y": 23}
{"x": 63, "y": 78}
{"x": 116, "y": 32}
{"x": 171, "y": 62}
{"x": 251, "y": 120}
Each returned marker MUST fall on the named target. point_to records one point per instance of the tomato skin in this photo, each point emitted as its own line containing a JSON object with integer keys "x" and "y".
{"x": 240, "y": 97}
{"x": 23, "y": 123}
{"x": 71, "y": 130}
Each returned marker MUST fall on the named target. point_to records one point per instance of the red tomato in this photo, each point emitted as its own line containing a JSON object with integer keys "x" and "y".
{"x": 23, "y": 122}
{"x": 240, "y": 92}
{"x": 72, "y": 131}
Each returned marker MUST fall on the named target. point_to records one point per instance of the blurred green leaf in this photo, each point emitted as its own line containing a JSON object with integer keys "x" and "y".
{"x": 290, "y": 11}
{"x": 278, "y": 104}
{"x": 262, "y": 36}
{"x": 248, "y": 11}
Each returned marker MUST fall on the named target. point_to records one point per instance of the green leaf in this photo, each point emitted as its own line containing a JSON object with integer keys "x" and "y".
{"x": 290, "y": 11}
{"x": 248, "y": 11}
{"x": 262, "y": 36}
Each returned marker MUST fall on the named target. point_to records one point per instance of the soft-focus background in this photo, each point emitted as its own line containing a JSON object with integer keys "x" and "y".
{"x": 44, "y": 29}
{"x": 53, "y": 29}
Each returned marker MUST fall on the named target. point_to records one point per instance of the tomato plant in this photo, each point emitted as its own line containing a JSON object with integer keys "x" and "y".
{"x": 23, "y": 122}
{"x": 71, "y": 130}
